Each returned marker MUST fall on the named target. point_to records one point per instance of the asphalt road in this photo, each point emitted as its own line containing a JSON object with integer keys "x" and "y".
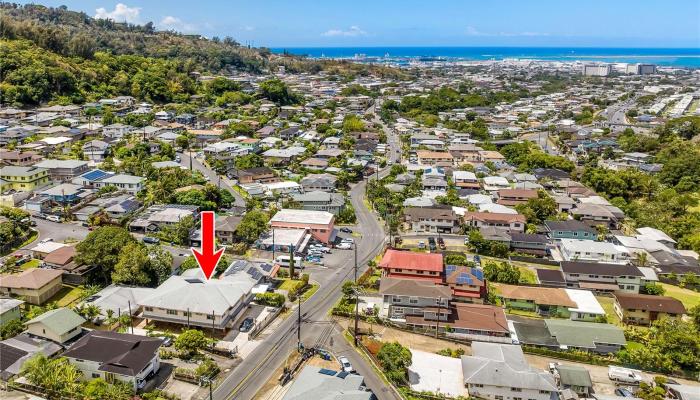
{"x": 212, "y": 175}
{"x": 317, "y": 328}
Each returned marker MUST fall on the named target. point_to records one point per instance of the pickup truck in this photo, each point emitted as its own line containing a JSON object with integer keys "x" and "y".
{"x": 624, "y": 375}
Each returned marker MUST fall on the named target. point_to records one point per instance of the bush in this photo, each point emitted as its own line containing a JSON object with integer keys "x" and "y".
{"x": 395, "y": 360}
{"x": 207, "y": 369}
{"x": 448, "y": 352}
{"x": 270, "y": 299}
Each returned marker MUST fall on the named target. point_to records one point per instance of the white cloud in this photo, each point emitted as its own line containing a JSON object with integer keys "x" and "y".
{"x": 176, "y": 24}
{"x": 472, "y": 31}
{"x": 354, "y": 31}
{"x": 121, "y": 13}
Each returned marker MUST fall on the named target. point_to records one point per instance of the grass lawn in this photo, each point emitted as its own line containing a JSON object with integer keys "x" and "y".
{"x": 523, "y": 313}
{"x": 608, "y": 305}
{"x": 688, "y": 297}
{"x": 633, "y": 345}
{"x": 67, "y": 296}
{"x": 527, "y": 276}
{"x": 30, "y": 264}
{"x": 288, "y": 284}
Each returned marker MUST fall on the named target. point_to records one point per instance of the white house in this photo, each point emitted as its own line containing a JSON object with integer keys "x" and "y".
{"x": 587, "y": 250}
{"x": 501, "y": 372}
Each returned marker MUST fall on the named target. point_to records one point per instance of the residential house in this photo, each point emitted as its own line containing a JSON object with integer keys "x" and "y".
{"x": 467, "y": 283}
{"x": 495, "y": 183}
{"x": 643, "y": 309}
{"x": 529, "y": 243}
{"x": 333, "y": 203}
{"x": 192, "y": 300}
{"x": 570, "y": 229}
{"x": 574, "y": 378}
{"x": 9, "y": 310}
{"x": 59, "y": 325}
{"x": 595, "y": 214}
{"x": 63, "y": 259}
{"x": 500, "y": 371}
{"x": 157, "y": 216}
{"x": 504, "y": 222}
{"x": 117, "y": 131}
{"x": 129, "y": 183}
{"x": 513, "y": 197}
{"x": 319, "y": 223}
{"x": 587, "y": 336}
{"x": 325, "y": 384}
{"x": 319, "y": 182}
{"x": 116, "y": 356}
{"x": 255, "y": 175}
{"x": 434, "y": 184}
{"x": 23, "y": 179}
{"x": 436, "y": 220}
{"x": 17, "y": 350}
{"x": 410, "y": 265}
{"x": 544, "y": 301}
{"x": 95, "y": 150}
{"x": 586, "y": 250}
{"x": 414, "y": 301}
{"x": 18, "y": 158}
{"x": 426, "y": 157}
{"x": 465, "y": 180}
{"x": 34, "y": 285}
{"x": 602, "y": 277}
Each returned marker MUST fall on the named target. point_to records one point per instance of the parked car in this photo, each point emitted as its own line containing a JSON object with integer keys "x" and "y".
{"x": 622, "y": 392}
{"x": 246, "y": 325}
{"x": 624, "y": 375}
{"x": 167, "y": 341}
{"x": 441, "y": 243}
{"x": 53, "y": 218}
{"x": 345, "y": 363}
{"x": 344, "y": 246}
{"x": 421, "y": 244}
{"x": 346, "y": 230}
{"x": 151, "y": 240}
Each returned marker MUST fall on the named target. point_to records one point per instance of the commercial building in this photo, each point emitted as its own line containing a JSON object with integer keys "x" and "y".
{"x": 319, "y": 223}
{"x": 597, "y": 69}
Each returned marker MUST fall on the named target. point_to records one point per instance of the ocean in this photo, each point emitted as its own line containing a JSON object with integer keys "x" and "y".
{"x": 675, "y": 57}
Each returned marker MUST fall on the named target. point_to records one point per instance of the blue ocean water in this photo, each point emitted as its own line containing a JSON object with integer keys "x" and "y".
{"x": 677, "y": 57}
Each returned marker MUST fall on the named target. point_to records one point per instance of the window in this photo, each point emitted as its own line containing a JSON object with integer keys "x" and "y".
{"x": 148, "y": 308}
{"x": 479, "y": 385}
{"x": 499, "y": 397}
{"x": 515, "y": 389}
{"x": 210, "y": 317}
{"x": 172, "y": 312}
{"x": 544, "y": 391}
{"x": 413, "y": 300}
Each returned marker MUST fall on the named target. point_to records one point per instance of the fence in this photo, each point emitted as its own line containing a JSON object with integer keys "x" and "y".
{"x": 535, "y": 260}
{"x": 259, "y": 327}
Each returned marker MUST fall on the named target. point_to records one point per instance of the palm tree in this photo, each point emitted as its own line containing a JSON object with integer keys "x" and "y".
{"x": 642, "y": 259}
{"x": 110, "y": 318}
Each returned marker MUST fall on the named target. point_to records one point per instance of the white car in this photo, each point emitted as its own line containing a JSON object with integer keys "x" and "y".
{"x": 344, "y": 246}
{"x": 53, "y": 218}
{"x": 345, "y": 363}
{"x": 347, "y": 240}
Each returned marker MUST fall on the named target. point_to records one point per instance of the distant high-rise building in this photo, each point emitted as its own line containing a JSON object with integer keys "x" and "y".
{"x": 597, "y": 69}
{"x": 641, "y": 69}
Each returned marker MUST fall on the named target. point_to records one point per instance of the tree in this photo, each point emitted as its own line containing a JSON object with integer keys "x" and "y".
{"x": 99, "y": 389}
{"x": 277, "y": 91}
{"x": 103, "y": 247}
{"x": 694, "y": 314}
{"x": 191, "y": 341}
{"x": 56, "y": 376}
{"x": 501, "y": 272}
{"x": 11, "y": 328}
{"x": 653, "y": 289}
{"x": 249, "y": 161}
{"x": 132, "y": 267}
{"x": 252, "y": 225}
{"x": 160, "y": 264}
{"x": 348, "y": 289}
{"x": 179, "y": 232}
{"x": 653, "y": 391}
{"x": 539, "y": 209}
{"x": 395, "y": 360}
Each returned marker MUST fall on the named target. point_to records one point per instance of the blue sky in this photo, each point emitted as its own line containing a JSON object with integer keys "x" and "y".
{"x": 325, "y": 23}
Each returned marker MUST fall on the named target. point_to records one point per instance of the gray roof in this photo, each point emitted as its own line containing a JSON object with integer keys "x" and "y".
{"x": 573, "y": 375}
{"x": 60, "y": 164}
{"x": 323, "y": 384}
{"x": 584, "y": 334}
{"x": 504, "y": 365}
{"x": 199, "y": 295}
{"x": 60, "y": 320}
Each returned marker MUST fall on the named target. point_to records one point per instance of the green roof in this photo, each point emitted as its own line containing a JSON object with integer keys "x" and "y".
{"x": 60, "y": 320}
{"x": 584, "y": 334}
{"x": 573, "y": 375}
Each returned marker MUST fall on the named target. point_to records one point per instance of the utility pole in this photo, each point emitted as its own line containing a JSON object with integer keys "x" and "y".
{"x": 357, "y": 299}
{"x": 299, "y": 323}
{"x": 213, "y": 332}
{"x": 273, "y": 245}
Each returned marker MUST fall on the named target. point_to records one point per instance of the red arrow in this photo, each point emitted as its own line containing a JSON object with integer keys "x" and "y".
{"x": 208, "y": 257}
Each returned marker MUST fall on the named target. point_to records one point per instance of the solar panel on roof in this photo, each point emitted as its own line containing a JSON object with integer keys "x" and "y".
{"x": 464, "y": 278}
{"x": 193, "y": 280}
{"x": 95, "y": 175}
{"x": 325, "y": 371}
{"x": 479, "y": 274}
{"x": 342, "y": 374}
{"x": 266, "y": 267}
{"x": 450, "y": 269}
